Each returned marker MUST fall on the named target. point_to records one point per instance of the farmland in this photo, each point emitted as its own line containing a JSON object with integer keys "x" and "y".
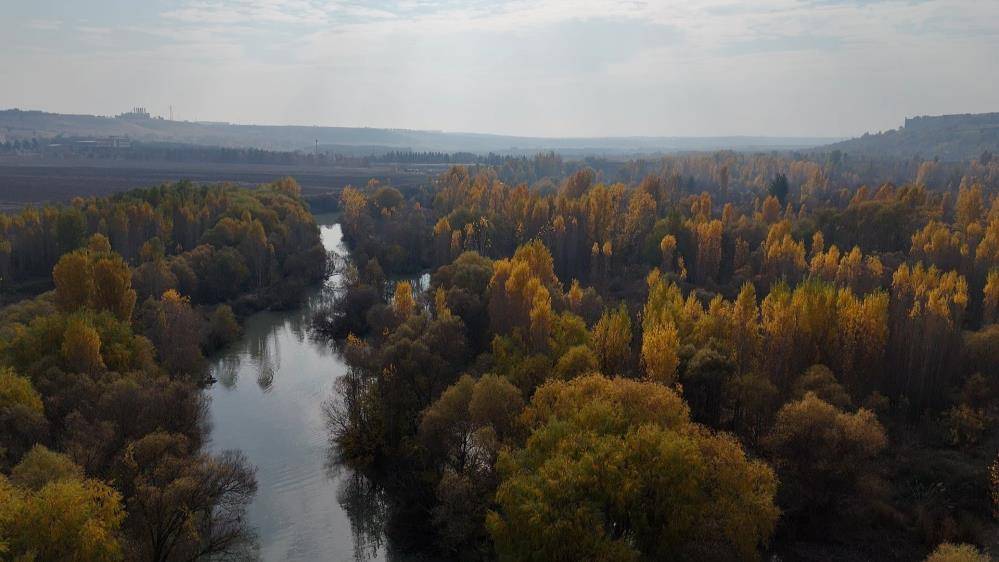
{"x": 31, "y": 181}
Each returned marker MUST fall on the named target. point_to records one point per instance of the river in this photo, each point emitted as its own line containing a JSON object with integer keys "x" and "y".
{"x": 267, "y": 402}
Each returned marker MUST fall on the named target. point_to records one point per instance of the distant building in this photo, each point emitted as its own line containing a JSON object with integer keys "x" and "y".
{"x": 136, "y": 113}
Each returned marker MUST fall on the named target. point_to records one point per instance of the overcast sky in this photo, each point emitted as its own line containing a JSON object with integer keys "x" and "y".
{"x": 539, "y": 67}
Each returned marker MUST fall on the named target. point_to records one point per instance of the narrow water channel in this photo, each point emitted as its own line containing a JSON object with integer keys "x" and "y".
{"x": 268, "y": 403}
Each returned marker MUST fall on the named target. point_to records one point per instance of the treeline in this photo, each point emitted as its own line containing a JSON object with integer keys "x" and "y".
{"x": 774, "y": 364}
{"x": 102, "y": 417}
{"x": 211, "y": 243}
{"x": 410, "y": 157}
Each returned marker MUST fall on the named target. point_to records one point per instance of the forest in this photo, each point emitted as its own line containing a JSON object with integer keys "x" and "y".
{"x": 720, "y": 356}
{"x": 102, "y": 415}
{"x": 706, "y": 357}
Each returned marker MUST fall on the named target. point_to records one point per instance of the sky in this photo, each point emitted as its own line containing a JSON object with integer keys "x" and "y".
{"x": 551, "y": 68}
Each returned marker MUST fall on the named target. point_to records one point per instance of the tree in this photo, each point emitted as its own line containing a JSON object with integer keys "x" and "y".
{"x": 183, "y": 505}
{"x": 660, "y": 346}
{"x": 970, "y": 205}
{"x": 825, "y": 459}
{"x": 948, "y": 552}
{"x": 67, "y": 519}
{"x": 778, "y": 188}
{"x": 615, "y": 470}
{"x": 41, "y": 466}
{"x": 402, "y": 301}
{"x": 22, "y": 417}
{"x": 709, "y": 250}
{"x": 17, "y": 391}
{"x": 576, "y": 361}
{"x": 74, "y": 283}
{"x": 704, "y": 380}
{"x": 81, "y": 347}
{"x": 611, "y": 340}
{"x": 113, "y": 287}
{"x": 98, "y": 280}
{"x": 175, "y": 329}
{"x": 521, "y": 292}
{"x": 990, "y": 299}
{"x": 821, "y": 381}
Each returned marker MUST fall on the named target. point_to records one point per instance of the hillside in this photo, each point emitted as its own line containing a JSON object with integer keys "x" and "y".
{"x": 19, "y": 124}
{"x": 948, "y": 137}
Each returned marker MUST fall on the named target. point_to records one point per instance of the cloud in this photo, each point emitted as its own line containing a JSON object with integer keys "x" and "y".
{"x": 44, "y": 25}
{"x": 548, "y": 67}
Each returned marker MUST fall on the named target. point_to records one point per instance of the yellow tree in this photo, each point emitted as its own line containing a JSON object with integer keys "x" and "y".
{"x": 771, "y": 210}
{"x": 402, "y": 300}
{"x": 990, "y": 298}
{"x": 81, "y": 347}
{"x": 521, "y": 292}
{"x": 667, "y": 247}
{"x": 113, "y": 287}
{"x": 970, "y": 205}
{"x": 660, "y": 347}
{"x": 861, "y": 339}
{"x": 611, "y": 454}
{"x": 783, "y": 256}
{"x": 67, "y": 519}
{"x": 709, "y": 247}
{"x": 936, "y": 244}
{"x": 611, "y": 340}
{"x": 927, "y": 311}
{"x": 74, "y": 282}
{"x": 746, "y": 337}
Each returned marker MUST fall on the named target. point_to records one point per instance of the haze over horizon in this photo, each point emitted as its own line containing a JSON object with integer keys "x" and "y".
{"x": 543, "y": 69}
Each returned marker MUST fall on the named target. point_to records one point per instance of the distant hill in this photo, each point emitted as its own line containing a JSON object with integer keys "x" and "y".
{"x": 949, "y": 137}
{"x": 19, "y": 124}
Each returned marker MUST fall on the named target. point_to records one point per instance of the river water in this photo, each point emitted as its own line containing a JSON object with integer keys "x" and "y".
{"x": 268, "y": 403}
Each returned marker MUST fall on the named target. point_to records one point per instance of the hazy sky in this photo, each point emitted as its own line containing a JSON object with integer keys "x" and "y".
{"x": 541, "y": 67}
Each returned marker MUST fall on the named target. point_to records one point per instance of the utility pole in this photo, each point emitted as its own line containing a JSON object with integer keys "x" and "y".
{"x": 171, "y": 113}
{"x": 317, "y": 147}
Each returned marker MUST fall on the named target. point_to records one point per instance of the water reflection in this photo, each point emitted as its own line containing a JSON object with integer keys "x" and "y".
{"x": 307, "y": 507}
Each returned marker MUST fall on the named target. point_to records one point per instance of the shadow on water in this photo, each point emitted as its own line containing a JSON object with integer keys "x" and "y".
{"x": 268, "y": 403}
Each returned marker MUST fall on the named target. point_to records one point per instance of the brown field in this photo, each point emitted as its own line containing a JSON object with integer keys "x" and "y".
{"x": 30, "y": 181}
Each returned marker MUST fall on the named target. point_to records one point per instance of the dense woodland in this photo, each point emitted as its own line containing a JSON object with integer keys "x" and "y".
{"x": 704, "y": 357}
{"x": 101, "y": 409}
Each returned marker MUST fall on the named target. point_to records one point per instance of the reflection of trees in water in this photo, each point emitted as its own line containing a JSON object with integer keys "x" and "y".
{"x": 227, "y": 370}
{"x": 366, "y": 508}
{"x": 265, "y": 353}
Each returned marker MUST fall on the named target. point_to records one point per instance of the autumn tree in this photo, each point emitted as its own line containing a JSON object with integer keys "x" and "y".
{"x": 183, "y": 505}
{"x": 614, "y": 470}
{"x": 948, "y": 552}
{"x": 22, "y": 416}
{"x": 175, "y": 329}
{"x": 927, "y": 309}
{"x": 521, "y": 292}
{"x": 464, "y": 431}
{"x": 70, "y": 519}
{"x": 660, "y": 346}
{"x": 825, "y": 458}
{"x": 402, "y": 300}
{"x": 709, "y": 250}
{"x": 611, "y": 340}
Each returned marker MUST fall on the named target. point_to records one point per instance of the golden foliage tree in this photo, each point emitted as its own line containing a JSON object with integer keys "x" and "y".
{"x": 660, "y": 348}
{"x": 72, "y": 519}
{"x": 611, "y": 340}
{"x": 612, "y": 454}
